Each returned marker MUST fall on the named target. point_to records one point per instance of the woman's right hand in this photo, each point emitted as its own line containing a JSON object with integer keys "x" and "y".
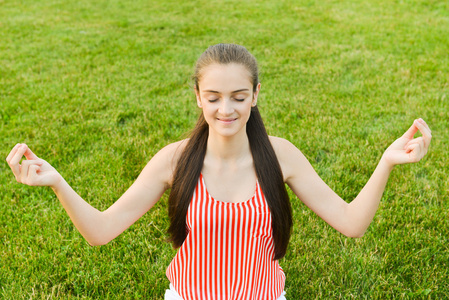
{"x": 33, "y": 171}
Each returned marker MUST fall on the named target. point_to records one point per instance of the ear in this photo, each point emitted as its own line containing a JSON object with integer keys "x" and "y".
{"x": 198, "y": 98}
{"x": 256, "y": 94}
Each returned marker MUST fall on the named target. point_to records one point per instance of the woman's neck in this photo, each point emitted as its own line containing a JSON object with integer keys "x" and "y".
{"x": 229, "y": 149}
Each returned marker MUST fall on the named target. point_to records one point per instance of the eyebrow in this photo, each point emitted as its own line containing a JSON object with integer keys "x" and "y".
{"x": 237, "y": 91}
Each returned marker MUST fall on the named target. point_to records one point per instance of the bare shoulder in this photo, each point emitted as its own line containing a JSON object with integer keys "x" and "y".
{"x": 163, "y": 163}
{"x": 282, "y": 146}
{"x": 173, "y": 151}
{"x": 279, "y": 142}
{"x": 289, "y": 156}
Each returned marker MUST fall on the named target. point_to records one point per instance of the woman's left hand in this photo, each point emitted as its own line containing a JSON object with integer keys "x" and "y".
{"x": 407, "y": 149}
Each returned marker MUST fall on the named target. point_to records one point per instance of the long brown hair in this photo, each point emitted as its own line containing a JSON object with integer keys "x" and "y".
{"x": 268, "y": 170}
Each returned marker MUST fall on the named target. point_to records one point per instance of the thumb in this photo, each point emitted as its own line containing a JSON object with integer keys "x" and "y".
{"x": 411, "y": 131}
{"x": 29, "y": 154}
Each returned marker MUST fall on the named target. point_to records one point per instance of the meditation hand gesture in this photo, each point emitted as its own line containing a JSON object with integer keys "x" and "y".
{"x": 33, "y": 171}
{"x": 407, "y": 149}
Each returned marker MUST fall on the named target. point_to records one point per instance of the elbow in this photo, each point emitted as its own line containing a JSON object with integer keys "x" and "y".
{"x": 354, "y": 225}
{"x": 97, "y": 234}
{"x": 97, "y": 241}
{"x": 354, "y": 233}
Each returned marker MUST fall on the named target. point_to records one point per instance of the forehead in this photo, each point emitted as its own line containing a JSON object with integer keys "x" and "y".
{"x": 220, "y": 77}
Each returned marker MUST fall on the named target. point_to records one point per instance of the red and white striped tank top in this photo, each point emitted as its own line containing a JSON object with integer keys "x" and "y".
{"x": 228, "y": 252}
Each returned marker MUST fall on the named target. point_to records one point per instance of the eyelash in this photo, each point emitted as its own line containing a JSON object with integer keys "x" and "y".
{"x": 239, "y": 100}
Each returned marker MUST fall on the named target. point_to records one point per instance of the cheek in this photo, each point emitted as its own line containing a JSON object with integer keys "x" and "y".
{"x": 208, "y": 111}
{"x": 247, "y": 110}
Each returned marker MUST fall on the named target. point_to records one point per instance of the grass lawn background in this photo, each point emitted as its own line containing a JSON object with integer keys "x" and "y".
{"x": 98, "y": 87}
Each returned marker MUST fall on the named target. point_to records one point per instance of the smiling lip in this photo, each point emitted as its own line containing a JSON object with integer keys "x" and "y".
{"x": 226, "y": 120}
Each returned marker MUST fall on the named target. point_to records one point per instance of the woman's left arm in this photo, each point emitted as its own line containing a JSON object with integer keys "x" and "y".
{"x": 351, "y": 219}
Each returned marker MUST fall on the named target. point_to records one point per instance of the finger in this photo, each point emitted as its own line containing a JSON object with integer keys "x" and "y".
{"x": 411, "y": 131}
{"x": 411, "y": 148}
{"x": 15, "y": 160}
{"x": 29, "y": 154}
{"x": 415, "y": 152}
{"x": 27, "y": 166}
{"x": 424, "y": 123}
{"x": 414, "y": 141}
{"x": 24, "y": 171}
{"x": 425, "y": 130}
{"x": 38, "y": 162}
{"x": 13, "y": 151}
{"x": 32, "y": 174}
{"x": 422, "y": 148}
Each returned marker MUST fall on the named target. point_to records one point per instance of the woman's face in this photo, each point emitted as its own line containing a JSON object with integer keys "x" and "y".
{"x": 225, "y": 94}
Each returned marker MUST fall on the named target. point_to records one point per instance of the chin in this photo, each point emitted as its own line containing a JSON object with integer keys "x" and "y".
{"x": 228, "y": 132}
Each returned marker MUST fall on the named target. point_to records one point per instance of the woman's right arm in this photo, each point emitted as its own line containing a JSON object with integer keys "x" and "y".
{"x": 98, "y": 227}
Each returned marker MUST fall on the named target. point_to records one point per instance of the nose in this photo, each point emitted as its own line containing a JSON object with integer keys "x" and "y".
{"x": 226, "y": 108}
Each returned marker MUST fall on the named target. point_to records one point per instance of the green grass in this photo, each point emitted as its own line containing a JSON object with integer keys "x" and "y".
{"x": 98, "y": 87}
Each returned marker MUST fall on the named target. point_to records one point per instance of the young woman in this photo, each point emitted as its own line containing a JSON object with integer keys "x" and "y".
{"x": 229, "y": 209}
